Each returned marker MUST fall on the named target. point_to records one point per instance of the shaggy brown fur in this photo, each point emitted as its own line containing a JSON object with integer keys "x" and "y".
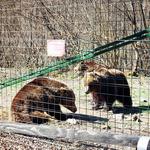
{"x": 89, "y": 66}
{"x": 108, "y": 85}
{"x": 40, "y": 99}
{"x": 105, "y": 72}
{"x": 41, "y": 81}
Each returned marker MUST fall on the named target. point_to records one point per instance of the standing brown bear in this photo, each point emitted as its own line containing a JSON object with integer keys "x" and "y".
{"x": 115, "y": 77}
{"x": 89, "y": 66}
{"x": 107, "y": 86}
{"x": 40, "y": 99}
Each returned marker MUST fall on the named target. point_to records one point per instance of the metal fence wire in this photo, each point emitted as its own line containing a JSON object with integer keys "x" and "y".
{"x": 96, "y": 96}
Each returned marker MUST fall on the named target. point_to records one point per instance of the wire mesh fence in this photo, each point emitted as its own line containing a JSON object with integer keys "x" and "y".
{"x": 107, "y": 93}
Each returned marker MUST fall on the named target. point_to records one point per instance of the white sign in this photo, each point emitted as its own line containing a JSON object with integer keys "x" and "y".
{"x": 56, "y": 48}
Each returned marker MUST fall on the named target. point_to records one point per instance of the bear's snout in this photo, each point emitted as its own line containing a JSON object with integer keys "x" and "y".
{"x": 74, "y": 109}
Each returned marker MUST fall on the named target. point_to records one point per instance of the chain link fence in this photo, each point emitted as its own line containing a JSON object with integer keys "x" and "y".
{"x": 25, "y": 27}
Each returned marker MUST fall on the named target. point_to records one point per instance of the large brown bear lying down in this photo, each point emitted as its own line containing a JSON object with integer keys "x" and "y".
{"x": 40, "y": 99}
{"x": 107, "y": 86}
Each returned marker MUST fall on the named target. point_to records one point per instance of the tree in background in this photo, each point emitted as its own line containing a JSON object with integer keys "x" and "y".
{"x": 26, "y": 26}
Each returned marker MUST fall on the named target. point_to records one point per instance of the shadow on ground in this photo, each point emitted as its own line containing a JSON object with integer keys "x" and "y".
{"x": 88, "y": 118}
{"x": 116, "y": 110}
{"x": 133, "y": 110}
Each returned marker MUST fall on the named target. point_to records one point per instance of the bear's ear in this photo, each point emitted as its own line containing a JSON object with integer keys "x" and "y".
{"x": 82, "y": 62}
{"x": 83, "y": 67}
{"x": 95, "y": 73}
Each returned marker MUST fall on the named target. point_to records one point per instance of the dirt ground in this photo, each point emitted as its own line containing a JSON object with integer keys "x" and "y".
{"x": 11, "y": 141}
{"x": 135, "y": 122}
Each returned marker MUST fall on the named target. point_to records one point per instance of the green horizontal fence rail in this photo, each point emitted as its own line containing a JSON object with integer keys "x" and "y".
{"x": 75, "y": 59}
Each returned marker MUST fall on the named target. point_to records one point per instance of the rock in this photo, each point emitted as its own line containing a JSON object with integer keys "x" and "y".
{"x": 105, "y": 126}
{"x": 72, "y": 121}
{"x": 145, "y": 100}
{"x": 119, "y": 116}
{"x": 135, "y": 117}
{"x": 139, "y": 120}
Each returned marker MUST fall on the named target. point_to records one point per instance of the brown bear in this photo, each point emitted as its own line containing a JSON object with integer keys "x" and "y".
{"x": 101, "y": 69}
{"x": 40, "y": 99}
{"x": 107, "y": 86}
{"x": 89, "y": 66}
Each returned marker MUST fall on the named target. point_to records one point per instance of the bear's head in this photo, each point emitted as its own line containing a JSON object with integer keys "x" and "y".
{"x": 88, "y": 66}
{"x": 81, "y": 68}
{"x": 92, "y": 82}
{"x": 67, "y": 98}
